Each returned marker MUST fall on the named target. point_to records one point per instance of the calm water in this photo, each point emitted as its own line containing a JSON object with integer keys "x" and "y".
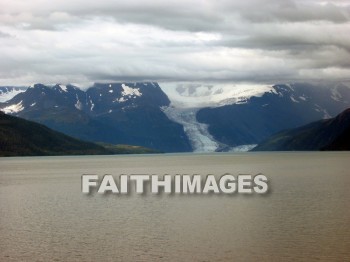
{"x": 306, "y": 216}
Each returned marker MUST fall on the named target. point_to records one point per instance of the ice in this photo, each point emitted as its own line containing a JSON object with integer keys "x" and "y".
{"x": 187, "y": 99}
{"x": 197, "y": 133}
{"x": 200, "y": 95}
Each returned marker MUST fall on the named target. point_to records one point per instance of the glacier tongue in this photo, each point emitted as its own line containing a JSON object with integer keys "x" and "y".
{"x": 187, "y": 98}
{"x": 198, "y": 134}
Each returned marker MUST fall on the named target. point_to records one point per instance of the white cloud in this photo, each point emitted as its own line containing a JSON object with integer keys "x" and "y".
{"x": 197, "y": 40}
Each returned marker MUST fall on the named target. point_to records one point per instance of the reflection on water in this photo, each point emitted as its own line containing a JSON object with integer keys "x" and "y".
{"x": 306, "y": 215}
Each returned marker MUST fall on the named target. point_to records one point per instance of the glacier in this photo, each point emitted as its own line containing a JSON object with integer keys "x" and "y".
{"x": 198, "y": 134}
{"x": 187, "y": 99}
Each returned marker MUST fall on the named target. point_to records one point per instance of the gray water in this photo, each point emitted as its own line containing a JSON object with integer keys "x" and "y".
{"x": 305, "y": 216}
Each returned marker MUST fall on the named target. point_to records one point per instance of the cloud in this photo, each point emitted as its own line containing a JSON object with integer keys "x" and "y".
{"x": 193, "y": 40}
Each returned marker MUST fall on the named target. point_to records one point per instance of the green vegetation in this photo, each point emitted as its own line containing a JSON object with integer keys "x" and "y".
{"x": 128, "y": 149}
{"x": 326, "y": 134}
{"x": 19, "y": 137}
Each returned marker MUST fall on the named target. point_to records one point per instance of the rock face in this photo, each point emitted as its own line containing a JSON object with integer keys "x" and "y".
{"x": 329, "y": 134}
{"x": 118, "y": 113}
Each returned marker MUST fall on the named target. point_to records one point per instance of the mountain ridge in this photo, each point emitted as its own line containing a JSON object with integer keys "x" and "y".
{"x": 20, "y": 137}
{"x": 145, "y": 114}
{"x": 115, "y": 113}
{"x": 326, "y": 134}
{"x": 287, "y": 106}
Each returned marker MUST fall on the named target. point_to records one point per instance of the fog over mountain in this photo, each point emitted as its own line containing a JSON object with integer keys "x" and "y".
{"x": 255, "y": 41}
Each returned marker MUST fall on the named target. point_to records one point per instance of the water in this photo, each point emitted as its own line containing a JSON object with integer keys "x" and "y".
{"x": 306, "y": 215}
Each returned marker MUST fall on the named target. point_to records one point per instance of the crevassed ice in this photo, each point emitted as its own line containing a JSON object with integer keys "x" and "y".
{"x": 197, "y": 133}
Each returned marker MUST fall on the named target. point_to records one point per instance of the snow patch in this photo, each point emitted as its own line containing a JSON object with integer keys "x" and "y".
{"x": 12, "y": 109}
{"x": 129, "y": 91}
{"x": 326, "y": 115}
{"x": 273, "y": 91}
{"x": 92, "y": 104}
{"x": 63, "y": 88}
{"x": 294, "y": 100}
{"x": 78, "y": 105}
{"x": 122, "y": 99}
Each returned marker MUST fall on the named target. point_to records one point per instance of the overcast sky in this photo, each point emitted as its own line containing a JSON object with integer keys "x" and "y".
{"x": 257, "y": 41}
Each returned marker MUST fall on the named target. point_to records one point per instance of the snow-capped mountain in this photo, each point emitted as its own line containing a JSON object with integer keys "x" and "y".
{"x": 181, "y": 117}
{"x": 118, "y": 113}
{"x": 236, "y": 117}
{"x": 283, "y": 107}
